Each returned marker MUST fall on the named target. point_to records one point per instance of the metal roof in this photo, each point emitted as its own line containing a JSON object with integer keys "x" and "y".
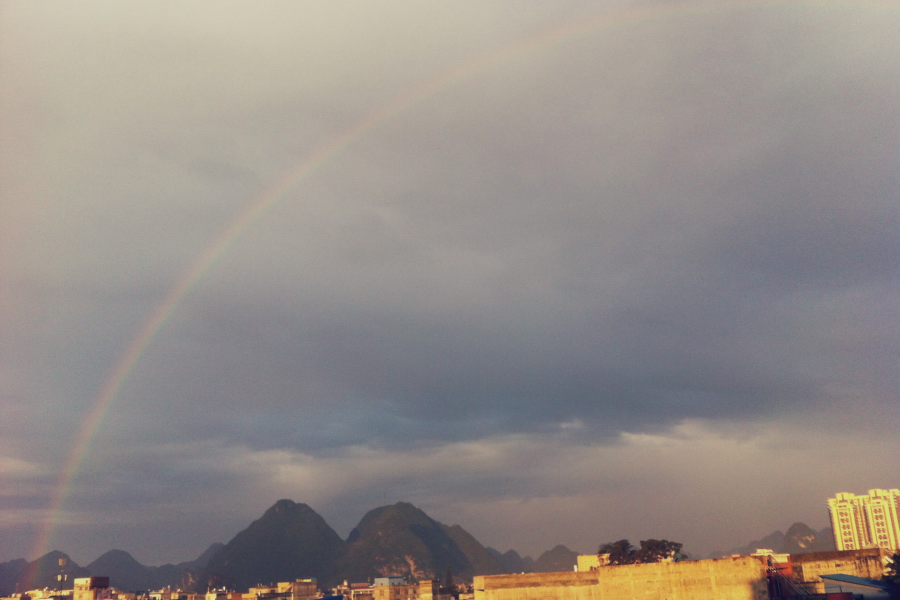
{"x": 852, "y": 579}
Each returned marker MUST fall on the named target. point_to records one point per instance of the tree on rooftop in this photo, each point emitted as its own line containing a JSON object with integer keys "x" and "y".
{"x": 620, "y": 552}
{"x": 653, "y": 551}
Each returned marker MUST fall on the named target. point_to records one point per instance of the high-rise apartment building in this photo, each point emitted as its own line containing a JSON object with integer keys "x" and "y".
{"x": 866, "y": 521}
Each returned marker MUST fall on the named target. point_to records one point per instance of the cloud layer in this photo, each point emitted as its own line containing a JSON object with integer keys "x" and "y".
{"x": 590, "y": 291}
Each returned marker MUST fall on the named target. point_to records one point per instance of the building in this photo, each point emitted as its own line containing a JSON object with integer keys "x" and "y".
{"x": 300, "y": 589}
{"x": 44, "y": 594}
{"x": 869, "y": 521}
{"x": 809, "y": 569}
{"x": 169, "y": 595}
{"x": 90, "y": 588}
{"x": 223, "y": 594}
{"x": 591, "y": 562}
{"x": 388, "y": 581}
{"x": 870, "y": 589}
{"x": 762, "y": 576}
{"x": 396, "y": 588}
{"x": 355, "y": 591}
{"x": 733, "y": 578}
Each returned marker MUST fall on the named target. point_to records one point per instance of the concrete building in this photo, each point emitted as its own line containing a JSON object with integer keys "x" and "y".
{"x": 870, "y": 589}
{"x": 300, "y": 589}
{"x": 760, "y": 577}
{"x": 355, "y": 591}
{"x": 733, "y": 578}
{"x": 591, "y": 562}
{"x": 808, "y": 569}
{"x": 90, "y": 588}
{"x": 868, "y": 521}
{"x": 223, "y": 594}
{"x": 44, "y": 594}
{"x": 400, "y": 590}
{"x": 397, "y": 591}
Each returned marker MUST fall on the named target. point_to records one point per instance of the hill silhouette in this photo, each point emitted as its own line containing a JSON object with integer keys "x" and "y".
{"x": 401, "y": 539}
{"x": 511, "y": 562}
{"x": 482, "y": 561}
{"x": 9, "y": 575}
{"x": 42, "y": 572}
{"x": 799, "y": 539}
{"x": 559, "y": 558}
{"x": 290, "y": 541}
{"x": 126, "y": 573}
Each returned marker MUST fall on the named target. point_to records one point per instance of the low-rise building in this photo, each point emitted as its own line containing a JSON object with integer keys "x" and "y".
{"x": 300, "y": 589}
{"x": 763, "y": 576}
{"x": 591, "y": 562}
{"x": 43, "y": 594}
{"x": 90, "y": 588}
{"x": 388, "y": 581}
{"x": 356, "y": 591}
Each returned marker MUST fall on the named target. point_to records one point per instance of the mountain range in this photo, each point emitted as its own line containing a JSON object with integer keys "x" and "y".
{"x": 799, "y": 539}
{"x": 124, "y": 571}
{"x": 291, "y": 541}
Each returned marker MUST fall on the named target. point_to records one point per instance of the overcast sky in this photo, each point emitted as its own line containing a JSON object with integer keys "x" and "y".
{"x": 579, "y": 271}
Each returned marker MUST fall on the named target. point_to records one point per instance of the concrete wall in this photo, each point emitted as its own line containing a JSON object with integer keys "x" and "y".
{"x": 734, "y": 578}
{"x": 861, "y": 563}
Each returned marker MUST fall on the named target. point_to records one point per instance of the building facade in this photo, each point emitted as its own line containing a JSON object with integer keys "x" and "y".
{"x": 764, "y": 576}
{"x": 869, "y": 521}
{"x": 733, "y": 578}
{"x": 90, "y": 588}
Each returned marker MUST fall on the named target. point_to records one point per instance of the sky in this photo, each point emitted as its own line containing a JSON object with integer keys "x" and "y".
{"x": 560, "y": 273}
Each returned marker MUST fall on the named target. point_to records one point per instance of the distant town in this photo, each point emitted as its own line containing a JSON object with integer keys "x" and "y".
{"x": 409, "y": 556}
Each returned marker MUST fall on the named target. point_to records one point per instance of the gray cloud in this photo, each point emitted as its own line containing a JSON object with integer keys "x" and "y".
{"x": 672, "y": 233}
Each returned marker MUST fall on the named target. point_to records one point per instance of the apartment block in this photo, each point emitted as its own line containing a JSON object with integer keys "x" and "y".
{"x": 869, "y": 521}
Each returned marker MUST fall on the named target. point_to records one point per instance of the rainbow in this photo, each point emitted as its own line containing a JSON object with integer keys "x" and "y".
{"x": 327, "y": 151}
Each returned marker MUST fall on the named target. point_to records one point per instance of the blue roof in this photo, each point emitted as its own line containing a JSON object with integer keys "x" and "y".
{"x": 852, "y": 579}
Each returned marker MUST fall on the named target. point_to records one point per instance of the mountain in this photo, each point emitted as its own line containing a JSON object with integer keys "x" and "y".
{"x": 124, "y": 572}
{"x": 512, "y": 562}
{"x": 290, "y": 541}
{"x": 483, "y": 563}
{"x": 127, "y": 574}
{"x": 799, "y": 539}
{"x": 401, "y": 539}
{"x": 9, "y": 575}
{"x": 203, "y": 560}
{"x": 559, "y": 558}
{"x": 43, "y": 572}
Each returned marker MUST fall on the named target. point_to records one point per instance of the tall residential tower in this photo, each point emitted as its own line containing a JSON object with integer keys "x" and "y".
{"x": 866, "y": 521}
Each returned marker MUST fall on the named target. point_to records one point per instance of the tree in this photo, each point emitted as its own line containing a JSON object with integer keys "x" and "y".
{"x": 620, "y": 552}
{"x": 892, "y": 575}
{"x": 653, "y": 551}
